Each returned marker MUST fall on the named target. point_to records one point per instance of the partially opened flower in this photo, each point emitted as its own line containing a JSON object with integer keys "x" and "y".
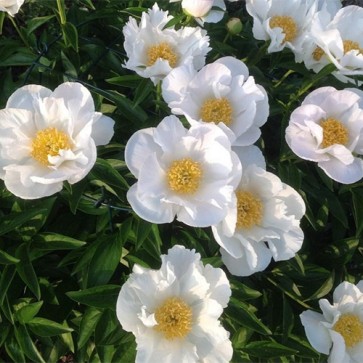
{"x": 204, "y": 11}
{"x": 11, "y": 6}
{"x": 338, "y": 331}
{"x": 334, "y": 39}
{"x": 48, "y": 137}
{"x": 328, "y": 129}
{"x": 190, "y": 174}
{"x": 173, "y": 312}
{"x": 284, "y": 23}
{"x": 153, "y": 50}
{"x": 263, "y": 222}
{"x": 221, "y": 92}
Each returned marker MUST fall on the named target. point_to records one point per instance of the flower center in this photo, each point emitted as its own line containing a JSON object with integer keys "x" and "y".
{"x": 48, "y": 142}
{"x": 350, "y": 328}
{"x": 287, "y": 24}
{"x": 249, "y": 210}
{"x": 334, "y": 132}
{"x": 318, "y": 53}
{"x": 163, "y": 51}
{"x": 184, "y": 176}
{"x": 174, "y": 318}
{"x": 350, "y": 45}
{"x": 216, "y": 110}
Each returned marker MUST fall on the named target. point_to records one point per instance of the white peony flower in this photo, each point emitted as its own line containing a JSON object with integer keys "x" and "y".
{"x": 338, "y": 39}
{"x": 221, "y": 92}
{"x": 173, "y": 312}
{"x": 153, "y": 50}
{"x": 328, "y": 129}
{"x": 263, "y": 221}
{"x": 188, "y": 173}
{"x": 284, "y": 23}
{"x": 338, "y": 332}
{"x": 11, "y": 6}
{"x": 204, "y": 11}
{"x": 48, "y": 137}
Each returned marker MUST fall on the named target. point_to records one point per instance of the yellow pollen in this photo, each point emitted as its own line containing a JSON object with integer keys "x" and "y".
{"x": 350, "y": 327}
{"x": 216, "y": 110}
{"x": 318, "y": 53}
{"x": 184, "y": 176}
{"x": 350, "y": 45}
{"x": 161, "y": 51}
{"x": 334, "y": 132}
{"x": 249, "y": 210}
{"x": 48, "y": 142}
{"x": 287, "y": 24}
{"x": 174, "y": 318}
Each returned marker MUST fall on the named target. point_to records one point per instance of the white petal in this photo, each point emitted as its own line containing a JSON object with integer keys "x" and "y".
{"x": 316, "y": 333}
{"x": 102, "y": 129}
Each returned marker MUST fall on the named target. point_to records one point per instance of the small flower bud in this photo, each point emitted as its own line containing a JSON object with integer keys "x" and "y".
{"x": 234, "y": 26}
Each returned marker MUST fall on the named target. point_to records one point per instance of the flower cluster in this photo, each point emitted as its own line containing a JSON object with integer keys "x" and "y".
{"x": 318, "y": 32}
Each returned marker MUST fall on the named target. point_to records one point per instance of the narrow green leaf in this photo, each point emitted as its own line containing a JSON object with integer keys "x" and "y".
{"x": 26, "y": 271}
{"x": 27, "y": 345}
{"x": 36, "y": 22}
{"x": 13, "y": 350}
{"x": 357, "y": 198}
{"x": 105, "y": 260}
{"x": 268, "y": 349}
{"x": 6, "y": 279}
{"x": 239, "y": 312}
{"x": 47, "y": 328}
{"x": 70, "y": 34}
{"x": 55, "y": 241}
{"x": 88, "y": 323}
{"x": 28, "y": 312}
{"x": 6, "y": 259}
{"x": 99, "y": 296}
{"x": 14, "y": 220}
{"x": 324, "y": 289}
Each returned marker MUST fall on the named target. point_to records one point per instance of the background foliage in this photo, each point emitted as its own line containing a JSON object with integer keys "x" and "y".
{"x": 64, "y": 258}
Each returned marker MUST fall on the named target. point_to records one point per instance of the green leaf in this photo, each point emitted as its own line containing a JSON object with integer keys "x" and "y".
{"x": 13, "y": 220}
{"x": 27, "y": 345}
{"x": 6, "y": 279}
{"x": 47, "y": 328}
{"x": 105, "y": 260}
{"x": 26, "y": 271}
{"x": 35, "y": 23}
{"x": 268, "y": 349}
{"x": 13, "y": 350}
{"x": 357, "y": 198}
{"x": 240, "y": 312}
{"x": 70, "y": 34}
{"x": 6, "y": 259}
{"x": 88, "y": 323}
{"x": 55, "y": 241}
{"x": 243, "y": 291}
{"x": 324, "y": 289}
{"x": 28, "y": 312}
{"x": 99, "y": 296}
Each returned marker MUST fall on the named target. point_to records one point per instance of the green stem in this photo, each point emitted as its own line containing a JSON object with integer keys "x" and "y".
{"x": 25, "y": 41}
{"x": 61, "y": 11}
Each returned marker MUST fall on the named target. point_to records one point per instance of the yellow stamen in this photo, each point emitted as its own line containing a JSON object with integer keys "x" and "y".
{"x": 249, "y": 210}
{"x": 350, "y": 327}
{"x": 287, "y": 24}
{"x": 318, "y": 53}
{"x": 161, "y": 51}
{"x": 49, "y": 142}
{"x": 216, "y": 110}
{"x": 350, "y": 45}
{"x": 184, "y": 176}
{"x": 334, "y": 132}
{"x": 174, "y": 318}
